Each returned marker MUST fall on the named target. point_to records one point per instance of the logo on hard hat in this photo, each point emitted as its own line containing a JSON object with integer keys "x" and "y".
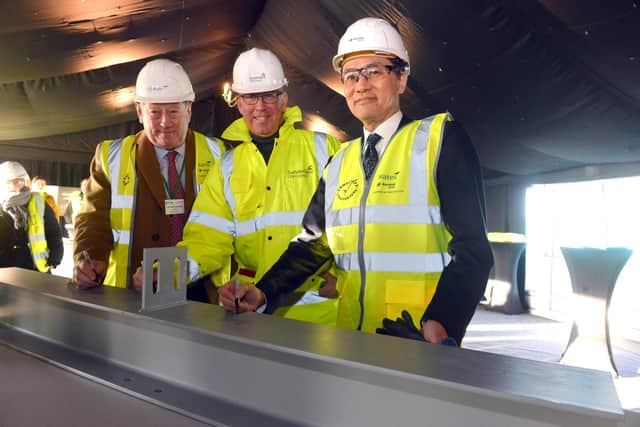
{"x": 356, "y": 39}
{"x": 157, "y": 88}
{"x": 257, "y": 78}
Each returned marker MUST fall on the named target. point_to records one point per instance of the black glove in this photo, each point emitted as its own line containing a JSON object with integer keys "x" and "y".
{"x": 402, "y": 327}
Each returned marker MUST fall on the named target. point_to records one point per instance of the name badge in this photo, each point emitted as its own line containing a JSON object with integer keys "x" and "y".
{"x": 174, "y": 206}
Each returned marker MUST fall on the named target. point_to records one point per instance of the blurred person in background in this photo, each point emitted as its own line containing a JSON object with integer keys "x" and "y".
{"x": 30, "y": 236}
{"x": 39, "y": 185}
{"x": 75, "y": 200}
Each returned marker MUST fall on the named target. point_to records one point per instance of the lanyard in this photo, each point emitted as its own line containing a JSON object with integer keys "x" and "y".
{"x": 173, "y": 194}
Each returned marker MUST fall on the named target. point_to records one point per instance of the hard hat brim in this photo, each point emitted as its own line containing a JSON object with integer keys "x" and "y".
{"x": 238, "y": 89}
{"x": 340, "y": 60}
{"x": 166, "y": 100}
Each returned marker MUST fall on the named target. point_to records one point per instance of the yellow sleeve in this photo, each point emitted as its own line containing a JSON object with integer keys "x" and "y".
{"x": 210, "y": 231}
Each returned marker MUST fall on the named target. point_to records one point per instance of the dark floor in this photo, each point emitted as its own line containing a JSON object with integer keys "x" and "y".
{"x": 537, "y": 338}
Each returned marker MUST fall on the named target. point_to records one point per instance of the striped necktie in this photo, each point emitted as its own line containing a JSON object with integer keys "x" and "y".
{"x": 176, "y": 222}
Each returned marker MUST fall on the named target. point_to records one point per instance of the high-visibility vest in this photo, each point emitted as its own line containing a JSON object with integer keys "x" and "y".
{"x": 387, "y": 235}
{"x": 258, "y": 208}
{"x": 118, "y": 160}
{"x": 36, "y": 232}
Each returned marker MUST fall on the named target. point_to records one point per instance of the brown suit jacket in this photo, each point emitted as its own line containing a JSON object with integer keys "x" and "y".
{"x": 150, "y": 224}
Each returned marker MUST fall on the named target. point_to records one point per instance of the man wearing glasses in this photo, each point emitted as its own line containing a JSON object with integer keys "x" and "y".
{"x": 400, "y": 209}
{"x": 254, "y": 198}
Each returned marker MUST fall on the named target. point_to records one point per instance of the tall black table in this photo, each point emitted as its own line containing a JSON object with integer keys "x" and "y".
{"x": 593, "y": 274}
{"x": 502, "y": 290}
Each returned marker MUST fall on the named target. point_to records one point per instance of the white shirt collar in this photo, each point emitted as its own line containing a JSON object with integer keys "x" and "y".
{"x": 386, "y": 129}
{"x": 161, "y": 153}
{"x": 161, "y": 156}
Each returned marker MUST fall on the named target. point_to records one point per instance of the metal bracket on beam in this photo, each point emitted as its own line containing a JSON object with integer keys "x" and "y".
{"x": 171, "y": 287}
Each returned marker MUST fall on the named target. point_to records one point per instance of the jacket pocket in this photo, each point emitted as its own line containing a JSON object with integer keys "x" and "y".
{"x": 410, "y": 295}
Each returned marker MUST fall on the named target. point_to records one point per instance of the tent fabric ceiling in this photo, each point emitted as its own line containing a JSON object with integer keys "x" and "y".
{"x": 541, "y": 85}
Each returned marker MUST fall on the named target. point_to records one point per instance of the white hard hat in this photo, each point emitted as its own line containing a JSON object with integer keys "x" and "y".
{"x": 12, "y": 170}
{"x": 257, "y": 70}
{"x": 372, "y": 36}
{"x": 163, "y": 81}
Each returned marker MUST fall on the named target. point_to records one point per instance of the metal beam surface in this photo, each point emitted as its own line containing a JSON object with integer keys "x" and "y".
{"x": 256, "y": 369}
{"x": 36, "y": 393}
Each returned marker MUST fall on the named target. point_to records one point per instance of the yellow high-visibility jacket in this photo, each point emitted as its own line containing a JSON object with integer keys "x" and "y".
{"x": 387, "y": 235}
{"x": 252, "y": 210}
{"x": 36, "y": 232}
{"x": 118, "y": 158}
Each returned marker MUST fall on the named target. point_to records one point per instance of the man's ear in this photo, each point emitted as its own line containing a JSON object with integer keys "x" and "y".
{"x": 284, "y": 101}
{"x": 139, "y": 111}
{"x": 404, "y": 77}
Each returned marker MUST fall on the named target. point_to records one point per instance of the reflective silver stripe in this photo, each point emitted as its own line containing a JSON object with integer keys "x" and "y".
{"x": 331, "y": 187}
{"x": 37, "y": 238}
{"x": 39, "y": 204}
{"x": 247, "y": 227}
{"x": 212, "y": 221}
{"x": 402, "y": 214}
{"x": 118, "y": 201}
{"x": 322, "y": 151}
{"x": 389, "y": 214}
{"x": 121, "y": 201}
{"x": 418, "y": 171}
{"x": 214, "y": 147}
{"x": 281, "y": 218}
{"x": 437, "y": 159}
{"x": 269, "y": 220}
{"x": 344, "y": 216}
{"x": 113, "y": 160}
{"x": 43, "y": 255}
{"x": 193, "y": 269}
{"x": 395, "y": 262}
{"x": 121, "y": 237}
{"x": 347, "y": 262}
{"x": 311, "y": 297}
{"x": 227, "y": 168}
{"x": 434, "y": 214}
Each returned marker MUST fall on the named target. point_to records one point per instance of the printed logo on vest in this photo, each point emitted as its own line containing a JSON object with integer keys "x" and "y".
{"x": 387, "y": 181}
{"x": 348, "y": 189}
{"x": 300, "y": 173}
{"x": 203, "y": 169}
{"x": 126, "y": 180}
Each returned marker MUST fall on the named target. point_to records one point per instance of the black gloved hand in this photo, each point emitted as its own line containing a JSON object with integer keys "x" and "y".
{"x": 402, "y": 327}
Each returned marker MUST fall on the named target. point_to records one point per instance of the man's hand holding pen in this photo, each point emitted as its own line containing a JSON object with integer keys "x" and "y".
{"x": 89, "y": 273}
{"x": 239, "y": 298}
